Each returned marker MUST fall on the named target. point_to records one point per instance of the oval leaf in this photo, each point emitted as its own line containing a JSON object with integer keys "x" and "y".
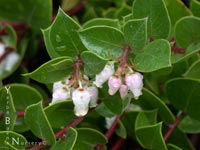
{"x": 38, "y": 123}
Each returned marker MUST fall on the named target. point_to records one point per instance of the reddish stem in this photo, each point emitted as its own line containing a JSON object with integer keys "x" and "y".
{"x": 61, "y": 133}
{"x": 110, "y": 131}
{"x": 19, "y": 114}
{"x": 173, "y": 127}
{"x": 118, "y": 144}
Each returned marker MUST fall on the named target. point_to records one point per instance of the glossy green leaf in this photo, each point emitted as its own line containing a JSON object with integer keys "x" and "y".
{"x": 191, "y": 35}
{"x": 12, "y": 141}
{"x": 27, "y": 11}
{"x": 195, "y": 7}
{"x": 38, "y": 123}
{"x": 155, "y": 55}
{"x": 23, "y": 96}
{"x": 89, "y": 138}
{"x": 184, "y": 95}
{"x": 107, "y": 42}
{"x": 69, "y": 141}
{"x": 193, "y": 71}
{"x": 189, "y": 125}
{"x": 11, "y": 39}
{"x": 121, "y": 130}
{"x": 135, "y": 34}
{"x": 61, "y": 38}
{"x": 63, "y": 111}
{"x": 176, "y": 10}
{"x": 103, "y": 110}
{"x": 122, "y": 11}
{"x": 7, "y": 109}
{"x": 148, "y": 132}
{"x": 93, "y": 64}
{"x": 102, "y": 21}
{"x": 159, "y": 24}
{"x": 146, "y": 118}
{"x": 53, "y": 70}
{"x": 173, "y": 147}
{"x": 149, "y": 101}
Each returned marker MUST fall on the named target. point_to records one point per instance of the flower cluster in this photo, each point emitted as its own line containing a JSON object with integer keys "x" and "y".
{"x": 10, "y": 60}
{"x": 122, "y": 81}
{"x": 84, "y": 95}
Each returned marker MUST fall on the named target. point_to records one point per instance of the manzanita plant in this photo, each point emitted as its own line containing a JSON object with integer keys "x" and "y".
{"x": 100, "y": 75}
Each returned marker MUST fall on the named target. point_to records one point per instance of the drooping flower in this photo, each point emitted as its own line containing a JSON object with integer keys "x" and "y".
{"x": 123, "y": 91}
{"x": 93, "y": 91}
{"x": 114, "y": 84}
{"x": 104, "y": 75}
{"x": 60, "y": 94}
{"x": 11, "y": 60}
{"x": 81, "y": 99}
{"x": 134, "y": 81}
{"x": 2, "y": 49}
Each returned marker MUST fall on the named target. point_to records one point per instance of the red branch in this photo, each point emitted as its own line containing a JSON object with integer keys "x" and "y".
{"x": 61, "y": 133}
{"x": 19, "y": 114}
{"x": 110, "y": 131}
{"x": 173, "y": 127}
{"x": 117, "y": 144}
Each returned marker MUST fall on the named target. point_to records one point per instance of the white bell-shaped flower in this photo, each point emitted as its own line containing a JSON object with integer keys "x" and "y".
{"x": 123, "y": 91}
{"x": 93, "y": 91}
{"x": 114, "y": 84}
{"x": 104, "y": 75}
{"x": 58, "y": 85}
{"x": 134, "y": 81}
{"x": 11, "y": 60}
{"x": 60, "y": 94}
{"x": 81, "y": 99}
{"x": 2, "y": 49}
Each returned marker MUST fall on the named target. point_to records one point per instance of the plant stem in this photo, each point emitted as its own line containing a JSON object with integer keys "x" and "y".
{"x": 173, "y": 127}
{"x": 19, "y": 114}
{"x": 117, "y": 144}
{"x": 60, "y": 133}
{"x": 110, "y": 131}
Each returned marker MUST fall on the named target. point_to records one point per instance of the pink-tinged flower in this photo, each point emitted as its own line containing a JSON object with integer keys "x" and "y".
{"x": 11, "y": 60}
{"x": 134, "y": 82}
{"x": 93, "y": 91}
{"x": 60, "y": 94}
{"x": 114, "y": 84}
{"x": 81, "y": 99}
{"x": 2, "y": 49}
{"x": 57, "y": 85}
{"x": 104, "y": 75}
{"x": 123, "y": 91}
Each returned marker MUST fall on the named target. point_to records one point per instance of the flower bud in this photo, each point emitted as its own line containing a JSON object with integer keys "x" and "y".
{"x": 81, "y": 99}
{"x": 123, "y": 91}
{"x": 60, "y": 94}
{"x": 104, "y": 75}
{"x": 134, "y": 82}
{"x": 93, "y": 91}
{"x": 114, "y": 84}
{"x": 2, "y": 49}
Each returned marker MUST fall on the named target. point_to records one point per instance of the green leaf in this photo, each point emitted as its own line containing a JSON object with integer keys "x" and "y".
{"x": 105, "y": 41}
{"x": 122, "y": 11}
{"x": 12, "y": 141}
{"x": 195, "y": 7}
{"x": 23, "y": 96}
{"x": 193, "y": 71}
{"x": 7, "y": 108}
{"x": 69, "y": 141}
{"x": 63, "y": 111}
{"x": 148, "y": 132}
{"x": 146, "y": 118}
{"x": 173, "y": 147}
{"x": 61, "y": 38}
{"x": 176, "y": 10}
{"x": 190, "y": 26}
{"x": 11, "y": 39}
{"x": 189, "y": 125}
{"x": 135, "y": 34}
{"x": 89, "y": 138}
{"x": 159, "y": 24}
{"x": 103, "y": 110}
{"x": 27, "y": 11}
{"x": 38, "y": 123}
{"x": 155, "y": 55}
{"x": 102, "y": 21}
{"x": 121, "y": 130}
{"x": 184, "y": 95}
{"x": 149, "y": 101}
{"x": 93, "y": 64}
{"x": 53, "y": 70}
